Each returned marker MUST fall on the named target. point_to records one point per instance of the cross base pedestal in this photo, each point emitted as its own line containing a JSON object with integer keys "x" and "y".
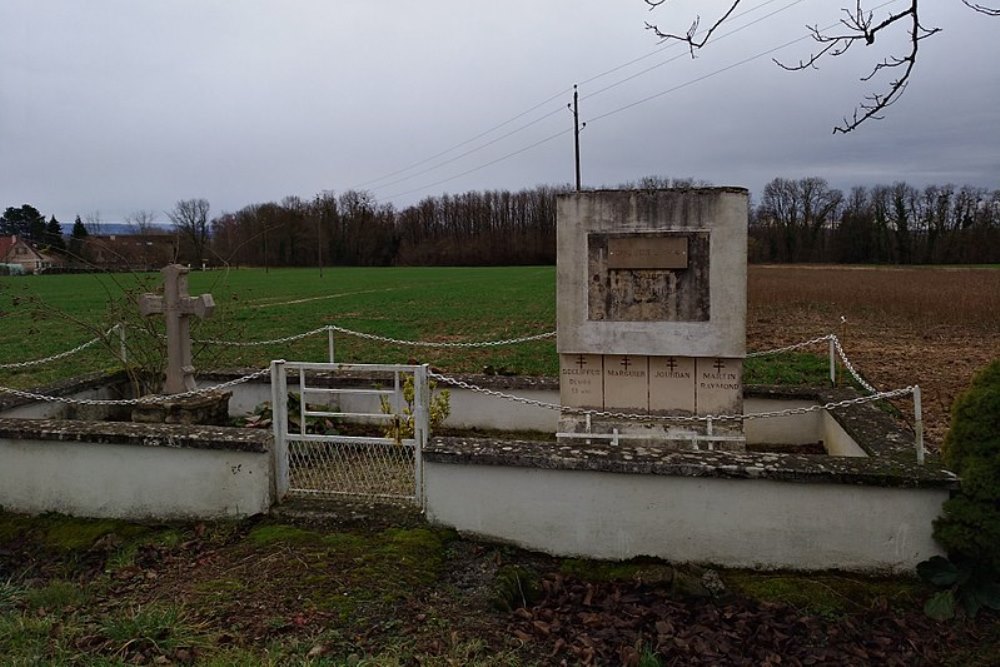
{"x": 209, "y": 409}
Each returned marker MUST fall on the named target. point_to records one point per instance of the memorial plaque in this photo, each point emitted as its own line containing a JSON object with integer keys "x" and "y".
{"x": 648, "y": 252}
{"x": 671, "y": 384}
{"x": 581, "y": 380}
{"x": 649, "y": 277}
{"x": 719, "y": 388}
{"x": 626, "y": 382}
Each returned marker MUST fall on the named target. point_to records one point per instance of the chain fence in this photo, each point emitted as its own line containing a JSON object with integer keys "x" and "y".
{"x": 61, "y": 355}
{"x": 142, "y": 400}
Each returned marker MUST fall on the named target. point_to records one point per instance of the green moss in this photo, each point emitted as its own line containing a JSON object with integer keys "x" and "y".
{"x": 827, "y": 595}
{"x": 598, "y": 570}
{"x": 793, "y": 368}
{"x": 279, "y": 533}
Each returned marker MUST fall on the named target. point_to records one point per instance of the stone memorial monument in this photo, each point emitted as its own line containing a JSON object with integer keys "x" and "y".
{"x": 177, "y": 307}
{"x": 652, "y": 312}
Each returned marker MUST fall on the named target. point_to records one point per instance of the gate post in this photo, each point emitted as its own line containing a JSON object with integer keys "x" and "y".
{"x": 421, "y": 428}
{"x": 279, "y": 422}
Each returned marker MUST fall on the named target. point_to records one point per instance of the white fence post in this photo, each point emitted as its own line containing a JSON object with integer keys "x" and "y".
{"x": 329, "y": 343}
{"x": 918, "y": 423}
{"x": 421, "y": 428}
{"x": 279, "y": 421}
{"x": 833, "y": 360}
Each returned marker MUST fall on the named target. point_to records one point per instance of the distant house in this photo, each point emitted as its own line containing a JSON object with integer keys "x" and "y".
{"x": 14, "y": 250}
{"x": 131, "y": 252}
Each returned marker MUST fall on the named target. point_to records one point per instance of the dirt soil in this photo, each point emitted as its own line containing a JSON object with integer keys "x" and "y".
{"x": 900, "y": 327}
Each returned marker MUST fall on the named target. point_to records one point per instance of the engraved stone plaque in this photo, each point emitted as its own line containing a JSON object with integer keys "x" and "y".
{"x": 719, "y": 388}
{"x": 648, "y": 252}
{"x": 648, "y": 277}
{"x": 626, "y": 382}
{"x": 671, "y": 384}
{"x": 581, "y": 380}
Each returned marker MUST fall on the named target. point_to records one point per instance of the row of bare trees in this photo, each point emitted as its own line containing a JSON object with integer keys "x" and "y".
{"x": 354, "y": 229}
{"x": 806, "y": 220}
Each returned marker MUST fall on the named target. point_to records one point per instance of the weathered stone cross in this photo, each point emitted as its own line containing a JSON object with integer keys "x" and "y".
{"x": 177, "y": 306}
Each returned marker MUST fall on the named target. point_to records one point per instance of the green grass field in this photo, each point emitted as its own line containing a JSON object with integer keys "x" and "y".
{"x": 45, "y": 315}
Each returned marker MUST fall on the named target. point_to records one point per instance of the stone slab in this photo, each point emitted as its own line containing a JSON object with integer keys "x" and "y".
{"x": 626, "y": 382}
{"x": 581, "y": 380}
{"x": 671, "y": 385}
{"x": 719, "y": 388}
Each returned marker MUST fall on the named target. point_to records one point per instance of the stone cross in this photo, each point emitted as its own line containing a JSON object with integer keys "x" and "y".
{"x": 177, "y": 306}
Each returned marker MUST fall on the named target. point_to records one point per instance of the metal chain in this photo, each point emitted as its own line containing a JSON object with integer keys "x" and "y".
{"x": 384, "y": 339}
{"x": 789, "y": 348}
{"x": 673, "y": 418}
{"x": 850, "y": 367}
{"x": 134, "y": 401}
{"x": 253, "y": 343}
{"x": 61, "y": 355}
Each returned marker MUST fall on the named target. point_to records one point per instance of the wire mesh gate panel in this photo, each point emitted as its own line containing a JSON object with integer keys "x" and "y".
{"x": 314, "y": 455}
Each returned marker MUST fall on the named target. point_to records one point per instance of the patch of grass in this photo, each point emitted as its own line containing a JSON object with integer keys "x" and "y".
{"x": 10, "y": 595}
{"x": 828, "y": 595}
{"x": 159, "y": 628}
{"x": 57, "y": 594}
{"x": 789, "y": 368}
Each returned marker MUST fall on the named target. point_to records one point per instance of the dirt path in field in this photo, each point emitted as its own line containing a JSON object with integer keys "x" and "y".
{"x": 904, "y": 326}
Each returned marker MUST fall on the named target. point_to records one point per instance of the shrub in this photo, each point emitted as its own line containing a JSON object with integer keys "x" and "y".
{"x": 969, "y": 528}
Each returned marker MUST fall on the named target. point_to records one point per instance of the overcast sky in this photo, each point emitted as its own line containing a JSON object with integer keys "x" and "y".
{"x": 115, "y": 106}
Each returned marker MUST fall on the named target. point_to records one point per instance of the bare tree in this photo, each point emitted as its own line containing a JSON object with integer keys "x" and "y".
{"x": 190, "y": 219}
{"x": 141, "y": 222}
{"x": 858, "y": 26}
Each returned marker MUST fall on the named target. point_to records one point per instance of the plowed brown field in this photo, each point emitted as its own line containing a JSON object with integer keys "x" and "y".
{"x": 901, "y": 326}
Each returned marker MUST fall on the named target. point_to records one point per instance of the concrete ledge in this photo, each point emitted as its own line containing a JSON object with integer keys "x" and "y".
{"x": 637, "y": 459}
{"x": 145, "y": 435}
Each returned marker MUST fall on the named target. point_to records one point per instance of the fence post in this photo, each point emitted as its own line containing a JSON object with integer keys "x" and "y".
{"x": 918, "y": 424}
{"x": 421, "y": 428}
{"x": 833, "y": 360}
{"x": 279, "y": 421}
{"x": 122, "y": 350}
{"x": 329, "y": 337}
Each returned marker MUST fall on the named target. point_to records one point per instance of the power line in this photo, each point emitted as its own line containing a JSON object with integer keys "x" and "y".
{"x": 546, "y": 101}
{"x": 482, "y": 166}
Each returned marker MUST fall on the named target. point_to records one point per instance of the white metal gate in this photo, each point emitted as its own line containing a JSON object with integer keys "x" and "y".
{"x": 369, "y": 454}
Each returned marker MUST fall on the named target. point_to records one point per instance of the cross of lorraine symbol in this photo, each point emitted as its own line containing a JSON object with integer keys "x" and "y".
{"x": 671, "y": 363}
{"x": 719, "y": 365}
{"x": 177, "y": 307}
{"x": 625, "y": 362}
{"x": 581, "y": 361}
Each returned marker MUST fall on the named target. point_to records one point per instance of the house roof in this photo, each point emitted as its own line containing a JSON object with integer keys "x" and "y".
{"x": 6, "y": 243}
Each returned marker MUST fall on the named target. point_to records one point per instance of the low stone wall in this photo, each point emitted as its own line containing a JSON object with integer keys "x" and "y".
{"x": 765, "y": 511}
{"x": 133, "y": 471}
{"x": 869, "y": 509}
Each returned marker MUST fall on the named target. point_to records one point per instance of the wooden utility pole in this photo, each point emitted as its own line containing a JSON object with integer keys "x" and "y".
{"x": 576, "y": 134}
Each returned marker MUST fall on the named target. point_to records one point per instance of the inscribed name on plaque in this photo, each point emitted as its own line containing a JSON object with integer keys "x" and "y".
{"x": 671, "y": 384}
{"x": 581, "y": 380}
{"x": 719, "y": 388}
{"x": 626, "y": 382}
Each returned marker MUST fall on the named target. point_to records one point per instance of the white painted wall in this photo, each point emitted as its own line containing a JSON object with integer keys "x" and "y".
{"x": 132, "y": 481}
{"x": 731, "y": 522}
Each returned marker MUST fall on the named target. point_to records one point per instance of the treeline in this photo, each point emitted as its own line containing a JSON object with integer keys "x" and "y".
{"x": 808, "y": 221}
{"x": 802, "y": 220}
{"x": 495, "y": 227}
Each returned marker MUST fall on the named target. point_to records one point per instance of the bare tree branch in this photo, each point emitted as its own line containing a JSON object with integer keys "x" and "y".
{"x": 858, "y": 26}
{"x": 982, "y": 9}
